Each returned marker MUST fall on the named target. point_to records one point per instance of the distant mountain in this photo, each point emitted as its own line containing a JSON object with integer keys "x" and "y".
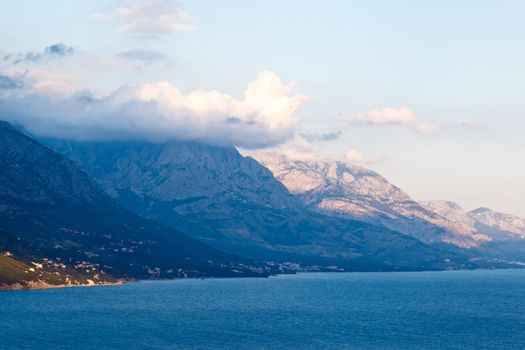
{"x": 235, "y": 204}
{"x": 455, "y": 214}
{"x": 54, "y": 216}
{"x": 341, "y": 189}
{"x": 505, "y": 234}
{"x": 508, "y": 226}
{"x": 482, "y": 221}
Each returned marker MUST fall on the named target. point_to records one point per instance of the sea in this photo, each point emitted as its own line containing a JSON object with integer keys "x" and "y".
{"x": 481, "y": 309}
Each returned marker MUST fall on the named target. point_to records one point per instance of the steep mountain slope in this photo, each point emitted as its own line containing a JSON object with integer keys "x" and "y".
{"x": 235, "y": 204}
{"x": 342, "y": 189}
{"x": 52, "y": 211}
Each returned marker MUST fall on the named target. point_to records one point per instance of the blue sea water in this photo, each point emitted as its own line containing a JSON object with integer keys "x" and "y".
{"x": 412, "y": 310}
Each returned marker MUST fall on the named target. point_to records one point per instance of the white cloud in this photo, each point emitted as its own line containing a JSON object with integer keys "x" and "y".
{"x": 354, "y": 156}
{"x": 151, "y": 18}
{"x": 264, "y": 116}
{"x": 387, "y": 115}
{"x": 297, "y": 148}
{"x": 41, "y": 81}
{"x": 300, "y": 149}
{"x": 395, "y": 116}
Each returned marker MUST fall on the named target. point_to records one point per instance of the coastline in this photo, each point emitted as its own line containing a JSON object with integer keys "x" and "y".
{"x": 43, "y": 285}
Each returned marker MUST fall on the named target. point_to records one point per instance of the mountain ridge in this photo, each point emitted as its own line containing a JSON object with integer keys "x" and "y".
{"x": 509, "y": 226}
{"x": 343, "y": 189}
{"x": 51, "y": 211}
{"x": 235, "y": 204}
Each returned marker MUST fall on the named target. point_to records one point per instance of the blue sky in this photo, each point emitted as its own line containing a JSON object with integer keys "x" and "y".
{"x": 429, "y": 94}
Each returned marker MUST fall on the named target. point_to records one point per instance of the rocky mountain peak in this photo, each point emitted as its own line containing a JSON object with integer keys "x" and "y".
{"x": 343, "y": 189}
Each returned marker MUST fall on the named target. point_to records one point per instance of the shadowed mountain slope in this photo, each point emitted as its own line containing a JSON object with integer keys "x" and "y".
{"x": 50, "y": 209}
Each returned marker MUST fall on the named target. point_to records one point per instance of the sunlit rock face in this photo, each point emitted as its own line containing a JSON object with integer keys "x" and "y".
{"x": 342, "y": 189}
{"x": 510, "y": 226}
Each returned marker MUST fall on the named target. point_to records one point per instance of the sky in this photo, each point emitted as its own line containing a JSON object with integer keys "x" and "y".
{"x": 429, "y": 94}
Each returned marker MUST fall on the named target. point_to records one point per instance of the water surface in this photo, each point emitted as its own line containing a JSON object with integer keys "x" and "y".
{"x": 413, "y": 310}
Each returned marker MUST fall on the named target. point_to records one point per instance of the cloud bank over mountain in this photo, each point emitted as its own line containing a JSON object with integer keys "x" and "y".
{"x": 264, "y": 116}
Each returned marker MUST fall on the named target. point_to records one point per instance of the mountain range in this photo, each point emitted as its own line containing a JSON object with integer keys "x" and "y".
{"x": 98, "y": 212}
{"x": 56, "y": 220}
{"x": 341, "y": 189}
{"x": 505, "y": 233}
{"x": 235, "y": 204}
